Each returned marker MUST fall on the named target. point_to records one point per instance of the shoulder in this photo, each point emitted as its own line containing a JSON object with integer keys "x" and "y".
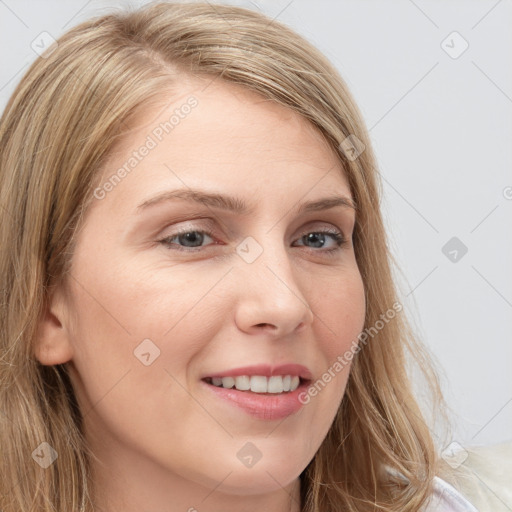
{"x": 443, "y": 498}
{"x": 446, "y": 498}
{"x": 483, "y": 476}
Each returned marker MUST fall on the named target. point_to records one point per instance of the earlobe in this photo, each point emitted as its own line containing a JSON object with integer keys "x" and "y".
{"x": 52, "y": 344}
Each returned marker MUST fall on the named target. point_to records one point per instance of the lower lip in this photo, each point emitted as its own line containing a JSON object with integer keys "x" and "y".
{"x": 262, "y": 406}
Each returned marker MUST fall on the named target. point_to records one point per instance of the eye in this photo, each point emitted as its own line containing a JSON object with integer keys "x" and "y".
{"x": 319, "y": 237}
{"x": 191, "y": 240}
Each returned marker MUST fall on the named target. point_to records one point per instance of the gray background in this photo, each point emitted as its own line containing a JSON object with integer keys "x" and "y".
{"x": 441, "y": 126}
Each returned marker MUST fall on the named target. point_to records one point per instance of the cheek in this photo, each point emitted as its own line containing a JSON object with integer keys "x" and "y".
{"x": 138, "y": 322}
{"x": 134, "y": 342}
{"x": 341, "y": 314}
{"x": 341, "y": 309}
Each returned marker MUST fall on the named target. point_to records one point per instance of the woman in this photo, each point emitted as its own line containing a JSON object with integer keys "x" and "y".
{"x": 199, "y": 310}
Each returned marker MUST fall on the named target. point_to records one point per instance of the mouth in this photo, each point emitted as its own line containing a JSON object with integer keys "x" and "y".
{"x": 263, "y": 392}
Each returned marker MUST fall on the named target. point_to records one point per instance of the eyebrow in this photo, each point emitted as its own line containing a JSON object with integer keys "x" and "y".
{"x": 238, "y": 205}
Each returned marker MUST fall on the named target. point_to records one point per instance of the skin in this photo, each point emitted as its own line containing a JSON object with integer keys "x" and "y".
{"x": 162, "y": 441}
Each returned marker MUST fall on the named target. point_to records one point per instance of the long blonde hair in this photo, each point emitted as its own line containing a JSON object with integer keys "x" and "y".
{"x": 64, "y": 117}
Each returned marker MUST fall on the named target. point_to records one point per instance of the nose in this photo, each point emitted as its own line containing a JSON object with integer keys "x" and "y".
{"x": 270, "y": 299}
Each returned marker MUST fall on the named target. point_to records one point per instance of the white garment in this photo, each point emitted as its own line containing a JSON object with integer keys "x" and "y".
{"x": 446, "y": 498}
{"x": 485, "y": 477}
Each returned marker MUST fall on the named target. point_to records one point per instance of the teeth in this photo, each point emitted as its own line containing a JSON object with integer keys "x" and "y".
{"x": 228, "y": 382}
{"x": 275, "y": 384}
{"x": 243, "y": 383}
{"x": 259, "y": 384}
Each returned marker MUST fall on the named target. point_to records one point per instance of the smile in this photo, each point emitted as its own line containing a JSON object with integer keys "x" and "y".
{"x": 258, "y": 383}
{"x": 262, "y": 391}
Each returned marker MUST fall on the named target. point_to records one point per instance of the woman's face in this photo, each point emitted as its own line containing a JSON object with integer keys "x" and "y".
{"x": 155, "y": 316}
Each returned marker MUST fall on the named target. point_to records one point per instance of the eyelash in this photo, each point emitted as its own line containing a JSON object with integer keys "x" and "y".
{"x": 336, "y": 235}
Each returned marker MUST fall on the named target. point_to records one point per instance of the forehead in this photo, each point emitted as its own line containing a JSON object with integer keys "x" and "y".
{"x": 230, "y": 137}
{"x": 223, "y": 112}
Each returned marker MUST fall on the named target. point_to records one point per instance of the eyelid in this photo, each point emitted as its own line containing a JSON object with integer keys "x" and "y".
{"x": 210, "y": 226}
{"x": 341, "y": 243}
{"x": 336, "y": 235}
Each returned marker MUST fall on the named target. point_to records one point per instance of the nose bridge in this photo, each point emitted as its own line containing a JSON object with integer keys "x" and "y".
{"x": 268, "y": 261}
{"x": 269, "y": 291}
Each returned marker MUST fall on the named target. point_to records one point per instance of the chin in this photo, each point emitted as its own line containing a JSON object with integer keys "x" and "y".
{"x": 245, "y": 482}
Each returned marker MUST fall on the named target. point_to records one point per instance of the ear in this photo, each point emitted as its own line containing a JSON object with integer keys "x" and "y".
{"x": 52, "y": 344}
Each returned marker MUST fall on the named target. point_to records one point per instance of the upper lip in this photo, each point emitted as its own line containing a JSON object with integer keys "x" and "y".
{"x": 266, "y": 370}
